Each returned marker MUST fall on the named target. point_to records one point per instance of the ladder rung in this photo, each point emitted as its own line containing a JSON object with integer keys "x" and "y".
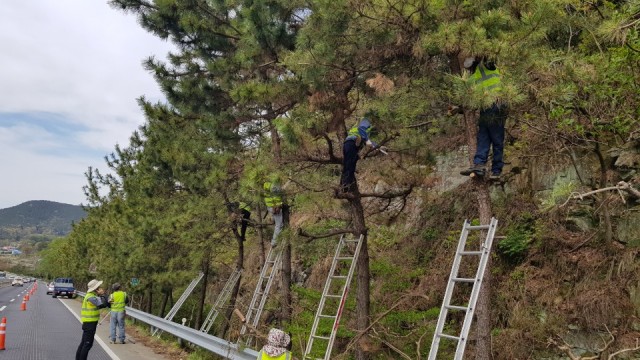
{"x": 345, "y": 258}
{"x": 327, "y": 316}
{"x": 351, "y": 240}
{"x": 449, "y": 337}
{"x": 454, "y": 307}
{"x": 338, "y": 277}
{"x": 334, "y": 296}
{"x": 320, "y": 337}
{"x": 467, "y": 280}
{"x": 478, "y": 227}
{"x": 470, "y": 253}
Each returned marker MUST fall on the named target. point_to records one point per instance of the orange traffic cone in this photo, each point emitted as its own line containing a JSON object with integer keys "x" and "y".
{"x": 3, "y": 331}
{"x": 26, "y": 297}
{"x": 23, "y": 307}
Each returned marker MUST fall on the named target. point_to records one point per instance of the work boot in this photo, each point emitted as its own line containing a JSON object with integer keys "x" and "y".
{"x": 495, "y": 176}
{"x": 477, "y": 169}
{"x": 112, "y": 341}
{"x": 121, "y": 341}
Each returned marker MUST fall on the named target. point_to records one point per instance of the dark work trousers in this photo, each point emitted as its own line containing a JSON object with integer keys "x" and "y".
{"x": 349, "y": 160}
{"x": 491, "y": 135}
{"x": 88, "y": 332}
{"x": 246, "y": 214}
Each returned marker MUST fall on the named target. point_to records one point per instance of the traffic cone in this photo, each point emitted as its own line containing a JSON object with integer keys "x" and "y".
{"x": 26, "y": 297}
{"x": 23, "y": 307}
{"x": 3, "y": 331}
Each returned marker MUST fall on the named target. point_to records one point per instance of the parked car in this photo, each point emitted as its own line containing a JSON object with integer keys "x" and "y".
{"x": 64, "y": 287}
{"x": 50, "y": 288}
{"x": 17, "y": 282}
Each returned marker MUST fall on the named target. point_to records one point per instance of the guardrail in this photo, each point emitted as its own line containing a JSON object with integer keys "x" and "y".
{"x": 208, "y": 342}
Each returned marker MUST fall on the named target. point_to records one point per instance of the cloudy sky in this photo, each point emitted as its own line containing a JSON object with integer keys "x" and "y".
{"x": 70, "y": 74}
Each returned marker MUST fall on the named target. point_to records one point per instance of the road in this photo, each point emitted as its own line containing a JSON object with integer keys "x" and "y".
{"x": 50, "y": 329}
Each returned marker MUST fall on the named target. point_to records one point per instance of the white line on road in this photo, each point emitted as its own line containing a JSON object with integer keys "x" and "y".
{"x": 2, "y": 308}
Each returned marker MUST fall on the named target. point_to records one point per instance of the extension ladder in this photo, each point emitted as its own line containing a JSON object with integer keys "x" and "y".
{"x": 484, "y": 253}
{"x": 181, "y": 300}
{"x": 223, "y": 297}
{"x": 269, "y": 271}
{"x": 336, "y": 280}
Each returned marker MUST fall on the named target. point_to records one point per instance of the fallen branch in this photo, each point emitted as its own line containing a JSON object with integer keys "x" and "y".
{"x": 621, "y": 186}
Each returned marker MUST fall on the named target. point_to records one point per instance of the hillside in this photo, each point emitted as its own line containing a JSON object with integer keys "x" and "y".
{"x": 38, "y": 218}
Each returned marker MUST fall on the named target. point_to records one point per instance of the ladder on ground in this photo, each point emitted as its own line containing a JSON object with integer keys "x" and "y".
{"x": 222, "y": 299}
{"x": 181, "y": 300}
{"x": 268, "y": 273}
{"x": 336, "y": 289}
{"x": 454, "y": 278}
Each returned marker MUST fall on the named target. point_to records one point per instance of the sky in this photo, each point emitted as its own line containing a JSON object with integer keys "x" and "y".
{"x": 70, "y": 74}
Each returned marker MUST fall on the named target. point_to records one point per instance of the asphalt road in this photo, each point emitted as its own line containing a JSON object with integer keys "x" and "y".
{"x": 47, "y": 330}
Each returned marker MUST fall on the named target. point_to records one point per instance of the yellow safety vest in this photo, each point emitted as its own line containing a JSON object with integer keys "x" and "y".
{"x": 244, "y": 206}
{"x": 89, "y": 312}
{"x": 263, "y": 356}
{"x": 489, "y": 80}
{"x": 118, "y": 301}
{"x": 271, "y": 198}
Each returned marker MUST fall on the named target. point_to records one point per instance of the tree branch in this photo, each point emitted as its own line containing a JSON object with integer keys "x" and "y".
{"x": 325, "y": 235}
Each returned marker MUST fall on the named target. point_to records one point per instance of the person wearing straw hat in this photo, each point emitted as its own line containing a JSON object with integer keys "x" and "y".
{"x": 277, "y": 347}
{"x": 89, "y": 315}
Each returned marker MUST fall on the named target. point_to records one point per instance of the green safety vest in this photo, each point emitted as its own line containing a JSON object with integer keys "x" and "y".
{"x": 489, "y": 80}
{"x": 118, "y": 301}
{"x": 272, "y": 197}
{"x": 89, "y": 312}
{"x": 263, "y": 356}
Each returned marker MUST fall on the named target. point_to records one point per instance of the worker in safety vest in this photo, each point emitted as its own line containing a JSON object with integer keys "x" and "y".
{"x": 492, "y": 119}
{"x": 356, "y": 139}
{"x": 241, "y": 211}
{"x": 277, "y": 347}
{"x": 118, "y": 300}
{"x": 274, "y": 200}
{"x": 89, "y": 316}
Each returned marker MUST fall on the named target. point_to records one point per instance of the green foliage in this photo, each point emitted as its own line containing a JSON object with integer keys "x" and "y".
{"x": 562, "y": 189}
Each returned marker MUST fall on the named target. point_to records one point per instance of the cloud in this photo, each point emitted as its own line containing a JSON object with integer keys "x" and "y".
{"x": 70, "y": 74}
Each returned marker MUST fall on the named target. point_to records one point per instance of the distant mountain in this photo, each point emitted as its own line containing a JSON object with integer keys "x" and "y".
{"x": 38, "y": 217}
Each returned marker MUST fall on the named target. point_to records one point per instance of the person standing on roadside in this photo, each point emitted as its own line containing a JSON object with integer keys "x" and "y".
{"x": 89, "y": 316}
{"x": 118, "y": 300}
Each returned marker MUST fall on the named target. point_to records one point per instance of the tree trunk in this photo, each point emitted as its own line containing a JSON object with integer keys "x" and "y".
{"x": 203, "y": 292}
{"x": 362, "y": 266}
{"x": 286, "y": 270}
{"x": 236, "y": 288}
{"x": 163, "y": 304}
{"x": 483, "y": 307}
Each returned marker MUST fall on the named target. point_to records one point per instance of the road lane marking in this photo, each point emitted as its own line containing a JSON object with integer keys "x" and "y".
{"x": 96, "y": 337}
{"x": 2, "y": 308}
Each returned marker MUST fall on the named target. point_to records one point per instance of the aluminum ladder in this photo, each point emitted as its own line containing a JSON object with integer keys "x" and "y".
{"x": 181, "y": 300}
{"x": 269, "y": 271}
{"x": 222, "y": 298}
{"x": 484, "y": 253}
{"x": 336, "y": 289}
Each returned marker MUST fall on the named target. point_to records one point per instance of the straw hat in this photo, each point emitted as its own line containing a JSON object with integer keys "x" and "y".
{"x": 93, "y": 284}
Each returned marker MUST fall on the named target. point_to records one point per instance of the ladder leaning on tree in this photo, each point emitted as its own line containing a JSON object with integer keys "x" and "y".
{"x": 269, "y": 271}
{"x": 454, "y": 278}
{"x": 336, "y": 289}
{"x": 222, "y": 298}
{"x": 181, "y": 300}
